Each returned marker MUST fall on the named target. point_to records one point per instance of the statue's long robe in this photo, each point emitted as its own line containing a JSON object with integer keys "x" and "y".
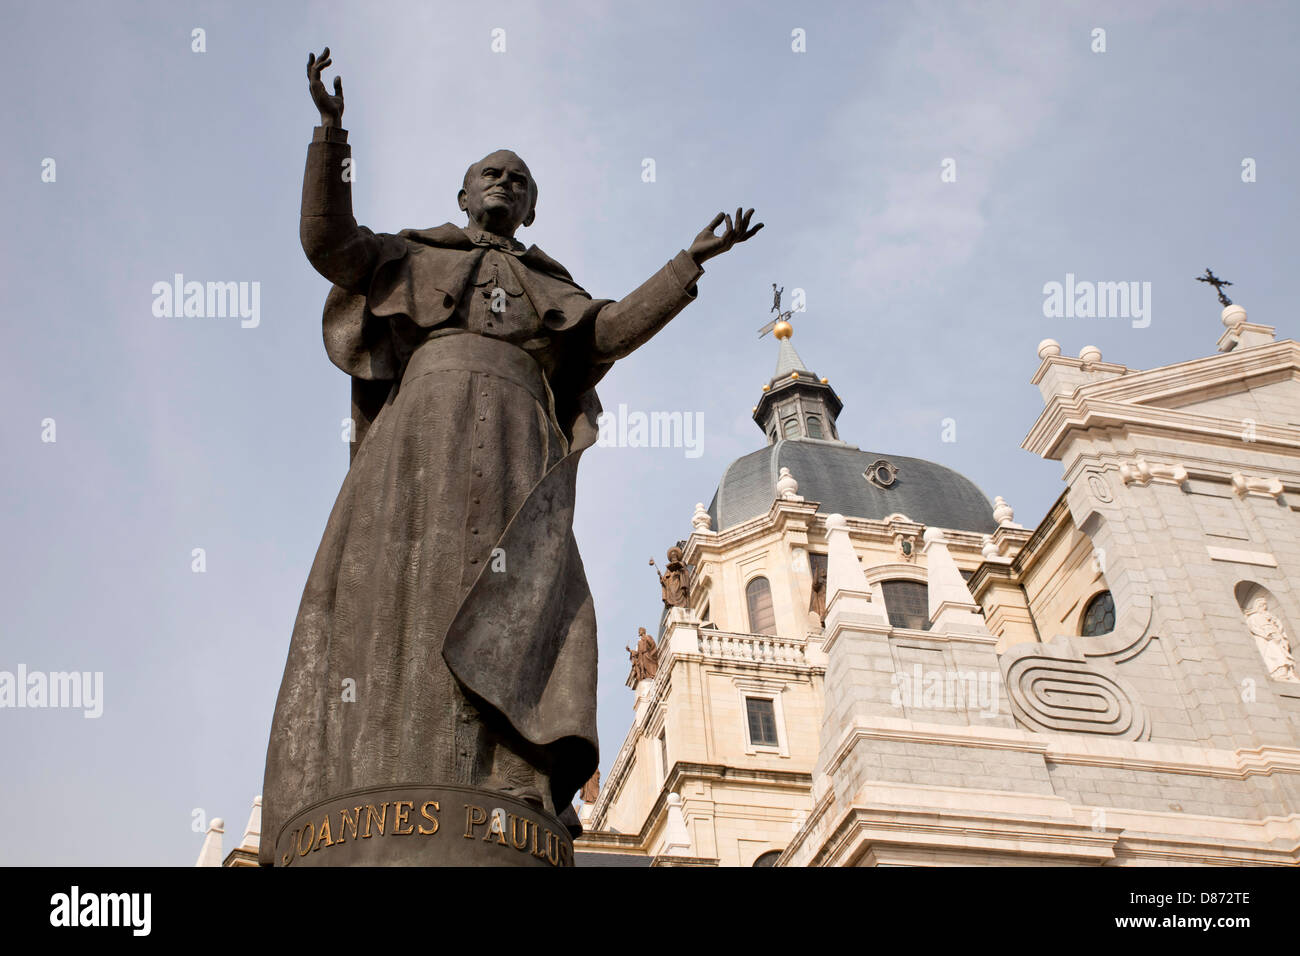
{"x": 448, "y": 588}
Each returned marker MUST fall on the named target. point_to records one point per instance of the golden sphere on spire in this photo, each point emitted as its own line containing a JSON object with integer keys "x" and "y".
{"x": 783, "y": 329}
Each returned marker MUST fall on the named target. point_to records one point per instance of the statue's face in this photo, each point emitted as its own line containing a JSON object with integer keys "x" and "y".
{"x": 499, "y": 193}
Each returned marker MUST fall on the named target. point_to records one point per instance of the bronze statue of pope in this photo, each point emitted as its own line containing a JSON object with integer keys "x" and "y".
{"x": 446, "y": 632}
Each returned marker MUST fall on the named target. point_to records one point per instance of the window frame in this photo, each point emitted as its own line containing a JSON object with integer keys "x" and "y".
{"x": 751, "y": 711}
{"x": 768, "y": 690}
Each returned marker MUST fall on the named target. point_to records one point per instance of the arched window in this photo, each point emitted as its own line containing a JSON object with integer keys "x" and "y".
{"x": 814, "y": 427}
{"x": 908, "y": 604}
{"x": 768, "y": 859}
{"x": 762, "y": 619}
{"x": 1099, "y": 617}
{"x": 790, "y": 428}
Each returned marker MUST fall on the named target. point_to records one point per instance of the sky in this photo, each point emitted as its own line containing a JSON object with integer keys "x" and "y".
{"x": 923, "y": 171}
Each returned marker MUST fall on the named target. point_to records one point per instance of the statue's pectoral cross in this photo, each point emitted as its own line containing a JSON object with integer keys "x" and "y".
{"x": 1218, "y": 284}
{"x": 493, "y": 291}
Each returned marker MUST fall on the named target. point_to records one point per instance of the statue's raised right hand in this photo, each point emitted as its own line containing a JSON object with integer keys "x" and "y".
{"x": 331, "y": 107}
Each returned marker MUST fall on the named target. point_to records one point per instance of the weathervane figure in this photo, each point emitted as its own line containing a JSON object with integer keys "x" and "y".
{"x": 1218, "y": 284}
{"x": 776, "y": 307}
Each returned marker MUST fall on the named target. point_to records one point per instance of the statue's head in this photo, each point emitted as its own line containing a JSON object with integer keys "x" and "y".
{"x": 674, "y": 555}
{"x": 499, "y": 194}
{"x": 1259, "y": 604}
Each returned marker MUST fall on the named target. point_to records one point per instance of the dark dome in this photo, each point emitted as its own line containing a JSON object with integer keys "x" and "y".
{"x": 832, "y": 474}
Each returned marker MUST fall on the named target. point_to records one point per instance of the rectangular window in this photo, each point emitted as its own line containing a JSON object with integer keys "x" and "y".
{"x": 762, "y": 722}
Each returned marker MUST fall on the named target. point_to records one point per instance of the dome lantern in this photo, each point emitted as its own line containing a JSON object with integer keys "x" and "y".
{"x": 796, "y": 403}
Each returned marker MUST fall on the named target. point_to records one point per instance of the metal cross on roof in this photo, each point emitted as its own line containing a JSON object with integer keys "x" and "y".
{"x": 1218, "y": 284}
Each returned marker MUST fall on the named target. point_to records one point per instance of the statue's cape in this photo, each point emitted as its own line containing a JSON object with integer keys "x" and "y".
{"x": 539, "y": 611}
{"x": 364, "y": 333}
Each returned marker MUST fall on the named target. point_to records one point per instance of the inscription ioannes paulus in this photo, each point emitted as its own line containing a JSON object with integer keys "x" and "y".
{"x": 330, "y": 828}
{"x": 473, "y": 360}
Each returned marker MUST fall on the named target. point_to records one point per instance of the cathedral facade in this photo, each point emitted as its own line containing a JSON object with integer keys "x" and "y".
{"x": 873, "y": 664}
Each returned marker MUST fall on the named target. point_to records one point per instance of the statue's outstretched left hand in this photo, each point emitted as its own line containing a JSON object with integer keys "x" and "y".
{"x": 708, "y": 244}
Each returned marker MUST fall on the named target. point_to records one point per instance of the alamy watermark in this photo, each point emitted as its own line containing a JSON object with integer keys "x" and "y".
{"x": 127, "y": 910}
{"x": 208, "y": 300}
{"x": 1075, "y": 299}
{"x": 947, "y": 690}
{"x": 82, "y": 690}
{"x": 624, "y": 429}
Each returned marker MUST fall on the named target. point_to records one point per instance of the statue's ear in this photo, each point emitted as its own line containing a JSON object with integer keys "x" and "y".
{"x": 460, "y": 200}
{"x": 532, "y": 214}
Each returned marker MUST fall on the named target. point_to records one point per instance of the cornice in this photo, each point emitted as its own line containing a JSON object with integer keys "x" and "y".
{"x": 1125, "y": 402}
{"x": 785, "y": 514}
{"x": 1172, "y": 381}
{"x": 1067, "y": 414}
{"x": 1197, "y": 467}
{"x": 702, "y": 545}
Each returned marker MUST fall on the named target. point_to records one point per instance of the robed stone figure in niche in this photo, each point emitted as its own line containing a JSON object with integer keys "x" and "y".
{"x": 448, "y": 583}
{"x": 1271, "y": 638}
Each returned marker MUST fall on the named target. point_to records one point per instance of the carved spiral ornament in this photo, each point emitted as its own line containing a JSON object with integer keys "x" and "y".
{"x": 1055, "y": 694}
